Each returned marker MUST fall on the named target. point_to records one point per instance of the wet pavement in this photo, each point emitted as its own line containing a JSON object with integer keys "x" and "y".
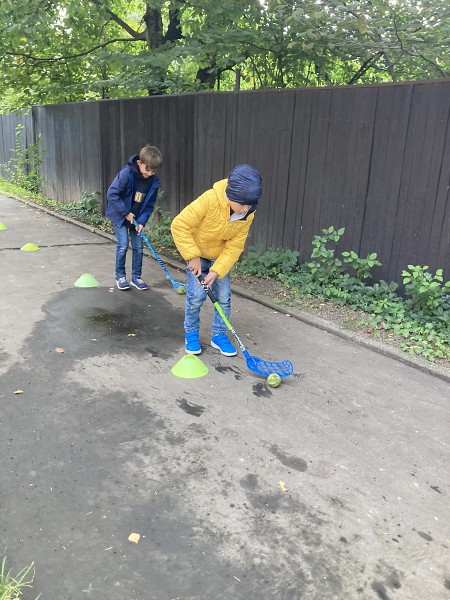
{"x": 333, "y": 486}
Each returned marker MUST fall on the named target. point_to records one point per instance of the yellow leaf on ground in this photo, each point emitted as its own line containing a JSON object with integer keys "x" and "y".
{"x": 60, "y": 350}
{"x": 131, "y": 335}
{"x": 134, "y": 537}
{"x": 282, "y": 486}
{"x": 18, "y": 392}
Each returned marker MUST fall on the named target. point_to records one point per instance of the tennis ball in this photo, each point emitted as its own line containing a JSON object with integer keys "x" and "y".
{"x": 273, "y": 380}
{"x": 181, "y": 290}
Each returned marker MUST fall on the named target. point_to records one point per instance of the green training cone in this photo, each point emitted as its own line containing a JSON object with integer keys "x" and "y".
{"x": 2, "y": 226}
{"x": 189, "y": 367}
{"x": 86, "y": 280}
{"x": 30, "y": 247}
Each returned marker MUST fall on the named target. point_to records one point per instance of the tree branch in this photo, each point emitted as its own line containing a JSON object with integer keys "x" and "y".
{"x": 364, "y": 67}
{"x": 416, "y": 53}
{"x": 138, "y": 35}
{"x": 58, "y": 58}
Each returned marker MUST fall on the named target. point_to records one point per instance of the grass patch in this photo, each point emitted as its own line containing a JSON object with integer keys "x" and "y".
{"x": 11, "y": 587}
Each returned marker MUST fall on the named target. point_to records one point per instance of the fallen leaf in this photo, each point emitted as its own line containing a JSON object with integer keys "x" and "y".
{"x": 282, "y": 486}
{"x": 60, "y": 350}
{"x": 131, "y": 335}
{"x": 18, "y": 392}
{"x": 134, "y": 537}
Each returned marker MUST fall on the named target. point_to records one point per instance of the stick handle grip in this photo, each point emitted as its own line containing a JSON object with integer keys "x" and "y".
{"x": 207, "y": 289}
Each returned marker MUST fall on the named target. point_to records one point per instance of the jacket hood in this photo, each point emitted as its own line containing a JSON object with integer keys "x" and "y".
{"x": 132, "y": 163}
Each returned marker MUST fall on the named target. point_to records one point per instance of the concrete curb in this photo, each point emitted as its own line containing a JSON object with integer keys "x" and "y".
{"x": 375, "y": 345}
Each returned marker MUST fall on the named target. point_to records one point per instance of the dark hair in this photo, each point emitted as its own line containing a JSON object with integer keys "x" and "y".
{"x": 151, "y": 156}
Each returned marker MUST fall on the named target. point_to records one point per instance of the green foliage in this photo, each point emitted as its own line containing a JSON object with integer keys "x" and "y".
{"x": 269, "y": 263}
{"x": 427, "y": 292}
{"x": 23, "y": 169}
{"x": 11, "y": 587}
{"x": 87, "y": 210}
{"x": 326, "y": 267}
{"x": 158, "y": 228}
{"x": 419, "y": 320}
{"x": 362, "y": 266}
{"x": 69, "y": 50}
{"x": 88, "y": 205}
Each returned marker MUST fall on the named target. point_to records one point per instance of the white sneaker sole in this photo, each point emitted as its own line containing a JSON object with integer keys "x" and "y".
{"x": 122, "y": 289}
{"x": 138, "y": 288}
{"x": 214, "y": 345}
{"x": 193, "y": 351}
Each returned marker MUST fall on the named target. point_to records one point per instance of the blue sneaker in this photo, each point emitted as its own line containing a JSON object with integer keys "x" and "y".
{"x": 192, "y": 343}
{"x": 138, "y": 283}
{"x": 122, "y": 283}
{"x": 222, "y": 343}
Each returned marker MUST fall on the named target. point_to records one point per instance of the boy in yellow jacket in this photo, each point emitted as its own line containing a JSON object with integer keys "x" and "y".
{"x": 210, "y": 234}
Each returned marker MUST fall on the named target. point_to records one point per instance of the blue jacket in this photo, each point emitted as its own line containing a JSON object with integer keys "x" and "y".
{"x": 120, "y": 196}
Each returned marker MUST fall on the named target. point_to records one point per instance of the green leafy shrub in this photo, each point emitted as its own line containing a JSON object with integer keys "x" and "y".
{"x": 87, "y": 210}
{"x": 325, "y": 266}
{"x": 270, "y": 263}
{"x": 158, "y": 228}
{"x": 362, "y": 266}
{"x": 23, "y": 169}
{"x": 427, "y": 292}
{"x": 420, "y": 320}
{"x": 87, "y": 206}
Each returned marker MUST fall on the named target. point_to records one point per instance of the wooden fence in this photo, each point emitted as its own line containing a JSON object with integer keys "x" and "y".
{"x": 373, "y": 159}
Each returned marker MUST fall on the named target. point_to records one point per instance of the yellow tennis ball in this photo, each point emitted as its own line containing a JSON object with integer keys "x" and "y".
{"x": 181, "y": 290}
{"x": 273, "y": 380}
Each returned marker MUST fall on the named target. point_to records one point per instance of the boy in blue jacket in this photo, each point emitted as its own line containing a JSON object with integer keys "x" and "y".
{"x": 131, "y": 197}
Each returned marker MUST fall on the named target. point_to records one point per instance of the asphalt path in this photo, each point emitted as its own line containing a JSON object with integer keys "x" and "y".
{"x": 333, "y": 486}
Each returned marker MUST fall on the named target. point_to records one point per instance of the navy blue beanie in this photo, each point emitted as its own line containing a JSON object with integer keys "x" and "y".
{"x": 244, "y": 185}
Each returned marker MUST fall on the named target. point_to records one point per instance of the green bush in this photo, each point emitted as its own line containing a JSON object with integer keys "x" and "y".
{"x": 23, "y": 169}
{"x": 420, "y": 319}
{"x": 158, "y": 228}
{"x": 270, "y": 263}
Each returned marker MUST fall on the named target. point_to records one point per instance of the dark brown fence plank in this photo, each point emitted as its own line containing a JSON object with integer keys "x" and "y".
{"x": 378, "y": 232}
{"x": 414, "y": 194}
{"x": 316, "y": 170}
{"x": 298, "y": 165}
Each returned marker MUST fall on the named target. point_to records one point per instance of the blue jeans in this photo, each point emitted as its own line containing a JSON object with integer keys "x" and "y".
{"x": 196, "y": 295}
{"x": 121, "y": 251}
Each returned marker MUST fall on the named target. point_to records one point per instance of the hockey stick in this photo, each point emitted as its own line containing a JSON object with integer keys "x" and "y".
{"x": 255, "y": 364}
{"x": 175, "y": 284}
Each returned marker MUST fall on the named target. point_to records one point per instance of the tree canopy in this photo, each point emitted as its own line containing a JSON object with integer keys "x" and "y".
{"x": 69, "y": 50}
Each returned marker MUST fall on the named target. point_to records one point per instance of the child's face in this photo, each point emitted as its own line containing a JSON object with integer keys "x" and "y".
{"x": 238, "y": 208}
{"x": 145, "y": 170}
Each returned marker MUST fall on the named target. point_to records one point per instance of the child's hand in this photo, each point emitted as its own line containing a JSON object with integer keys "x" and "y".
{"x": 130, "y": 217}
{"x": 139, "y": 228}
{"x": 195, "y": 266}
{"x": 210, "y": 278}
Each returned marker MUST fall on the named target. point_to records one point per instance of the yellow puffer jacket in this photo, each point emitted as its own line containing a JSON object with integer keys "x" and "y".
{"x": 204, "y": 229}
